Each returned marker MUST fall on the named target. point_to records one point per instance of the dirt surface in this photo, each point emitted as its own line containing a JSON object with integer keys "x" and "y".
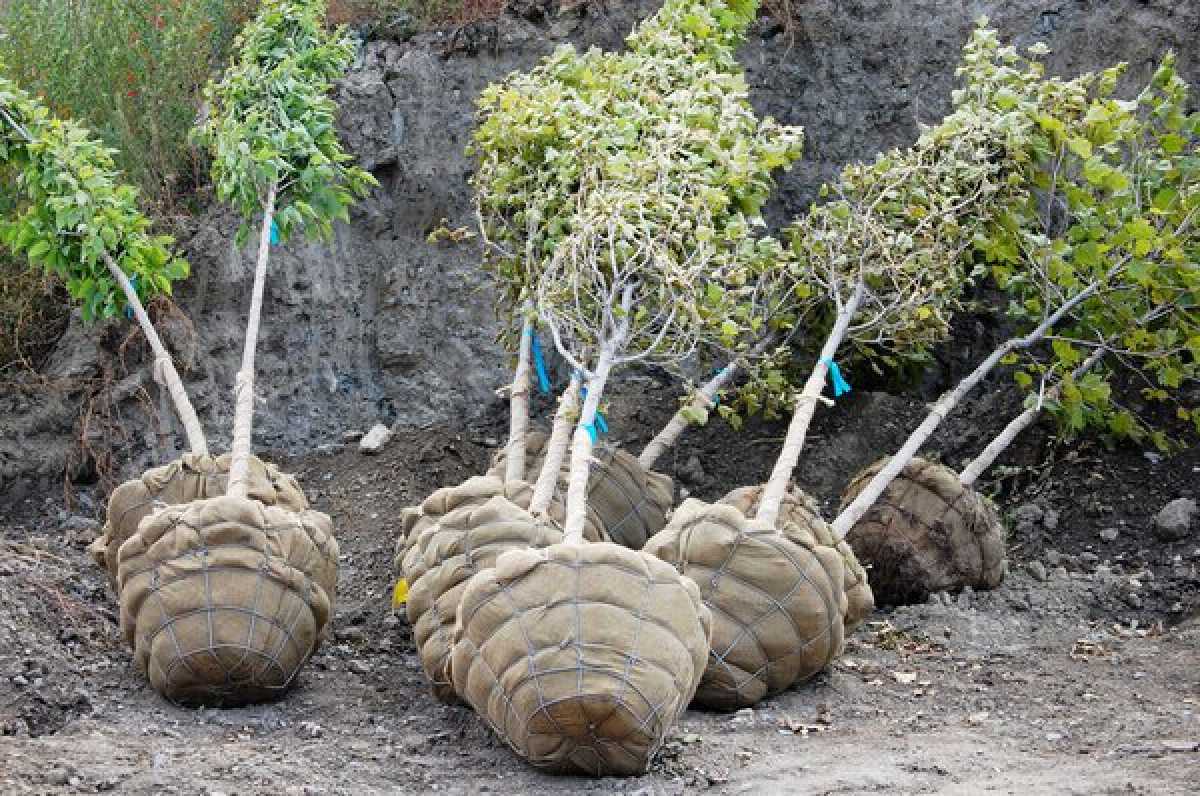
{"x": 1076, "y": 676}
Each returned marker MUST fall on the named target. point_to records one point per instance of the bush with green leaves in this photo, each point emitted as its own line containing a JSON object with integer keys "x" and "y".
{"x": 131, "y": 71}
{"x": 1099, "y": 256}
{"x": 77, "y": 221}
{"x": 271, "y": 132}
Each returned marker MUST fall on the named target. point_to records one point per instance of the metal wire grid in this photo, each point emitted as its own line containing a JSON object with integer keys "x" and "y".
{"x": 698, "y": 531}
{"x": 274, "y": 672}
{"x": 650, "y": 715}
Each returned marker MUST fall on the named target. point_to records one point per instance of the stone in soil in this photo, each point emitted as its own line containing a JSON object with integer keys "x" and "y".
{"x": 1174, "y": 521}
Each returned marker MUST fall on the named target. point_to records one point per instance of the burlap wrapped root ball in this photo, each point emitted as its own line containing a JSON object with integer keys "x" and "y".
{"x": 627, "y": 501}
{"x": 224, "y": 599}
{"x": 800, "y": 520}
{"x": 475, "y": 491}
{"x": 190, "y": 477}
{"x": 777, "y": 600}
{"x": 926, "y": 533}
{"x": 448, "y": 553}
{"x": 581, "y": 657}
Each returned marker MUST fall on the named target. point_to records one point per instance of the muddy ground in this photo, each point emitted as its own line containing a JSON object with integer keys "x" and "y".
{"x": 1081, "y": 674}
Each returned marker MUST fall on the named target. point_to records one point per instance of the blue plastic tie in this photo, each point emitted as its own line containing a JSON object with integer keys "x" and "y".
{"x": 840, "y": 385}
{"x": 600, "y": 422}
{"x": 129, "y": 309}
{"x": 274, "y": 233}
{"x": 591, "y": 430}
{"x": 539, "y": 364}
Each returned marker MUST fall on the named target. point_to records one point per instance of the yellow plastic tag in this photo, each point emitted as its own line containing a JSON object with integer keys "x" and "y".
{"x": 400, "y": 593}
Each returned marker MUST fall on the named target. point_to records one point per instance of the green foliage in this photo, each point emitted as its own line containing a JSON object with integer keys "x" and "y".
{"x": 1115, "y": 212}
{"x": 72, "y": 210}
{"x": 129, "y": 70}
{"x": 271, "y": 122}
{"x": 663, "y": 133}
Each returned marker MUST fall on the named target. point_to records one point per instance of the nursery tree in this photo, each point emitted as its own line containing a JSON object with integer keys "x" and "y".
{"x": 82, "y": 225}
{"x": 669, "y": 115}
{"x": 881, "y": 256}
{"x": 270, "y": 128}
{"x": 1100, "y": 258}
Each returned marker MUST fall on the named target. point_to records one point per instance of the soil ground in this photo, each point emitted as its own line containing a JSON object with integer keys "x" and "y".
{"x": 1083, "y": 679}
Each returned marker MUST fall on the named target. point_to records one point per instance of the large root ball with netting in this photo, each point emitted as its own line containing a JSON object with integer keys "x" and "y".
{"x": 800, "y": 520}
{"x": 448, "y": 553}
{"x": 474, "y": 491}
{"x": 581, "y": 657}
{"x": 926, "y": 533}
{"x": 190, "y": 477}
{"x": 224, "y": 599}
{"x": 777, "y": 600}
{"x": 629, "y": 502}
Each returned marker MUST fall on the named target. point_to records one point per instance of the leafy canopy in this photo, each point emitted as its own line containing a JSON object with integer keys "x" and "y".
{"x": 1115, "y": 210}
{"x": 272, "y": 123}
{"x": 663, "y": 128}
{"x": 72, "y": 209}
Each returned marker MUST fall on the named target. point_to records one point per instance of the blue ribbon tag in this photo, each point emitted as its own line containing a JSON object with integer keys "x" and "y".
{"x": 591, "y": 430}
{"x": 129, "y": 309}
{"x": 600, "y": 423}
{"x": 274, "y": 233}
{"x": 840, "y": 385}
{"x": 539, "y": 364}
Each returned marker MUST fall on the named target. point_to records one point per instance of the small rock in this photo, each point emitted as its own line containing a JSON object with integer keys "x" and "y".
{"x": 1087, "y": 561}
{"x": 311, "y": 729}
{"x": 374, "y": 440}
{"x": 1110, "y": 534}
{"x": 692, "y": 471}
{"x": 1028, "y": 516}
{"x": 1152, "y": 457}
{"x": 352, "y": 436}
{"x": 359, "y": 667}
{"x": 1037, "y": 570}
{"x": 1173, "y": 522}
{"x": 1053, "y": 558}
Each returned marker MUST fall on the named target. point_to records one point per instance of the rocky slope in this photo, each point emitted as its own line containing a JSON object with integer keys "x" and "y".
{"x": 384, "y": 326}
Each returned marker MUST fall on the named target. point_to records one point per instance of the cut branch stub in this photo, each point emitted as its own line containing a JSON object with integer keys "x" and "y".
{"x": 926, "y": 533}
{"x": 580, "y": 657}
{"x": 777, "y": 600}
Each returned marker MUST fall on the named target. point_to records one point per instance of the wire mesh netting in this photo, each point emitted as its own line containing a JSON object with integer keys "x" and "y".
{"x": 926, "y": 533}
{"x": 452, "y": 550}
{"x": 224, "y": 599}
{"x": 188, "y": 478}
{"x": 581, "y": 657}
{"x": 630, "y": 503}
{"x": 777, "y": 600}
{"x": 800, "y": 520}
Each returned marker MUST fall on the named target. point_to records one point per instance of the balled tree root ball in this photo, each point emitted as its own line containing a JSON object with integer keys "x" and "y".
{"x": 777, "y": 600}
{"x": 475, "y": 491}
{"x": 581, "y": 657}
{"x": 449, "y": 552}
{"x": 926, "y": 533}
{"x": 224, "y": 599}
{"x": 188, "y": 478}
{"x": 629, "y": 502}
{"x": 800, "y": 520}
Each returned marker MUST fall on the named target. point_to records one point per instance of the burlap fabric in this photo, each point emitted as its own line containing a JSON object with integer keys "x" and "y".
{"x": 188, "y": 478}
{"x": 448, "y": 554}
{"x": 630, "y": 504}
{"x": 581, "y": 657}
{"x": 926, "y": 533}
{"x": 223, "y": 599}
{"x": 777, "y": 600}
{"x": 474, "y": 491}
{"x": 801, "y": 521}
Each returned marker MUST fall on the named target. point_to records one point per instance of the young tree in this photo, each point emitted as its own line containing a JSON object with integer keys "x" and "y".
{"x": 270, "y": 128}
{"x": 82, "y": 225}
{"x": 1101, "y": 257}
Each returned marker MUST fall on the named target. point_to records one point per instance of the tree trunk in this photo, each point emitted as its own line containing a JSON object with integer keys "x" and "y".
{"x": 164, "y": 368}
{"x": 704, "y": 399}
{"x": 556, "y": 449}
{"x": 859, "y": 506}
{"x": 802, "y": 414}
{"x": 243, "y": 391}
{"x": 518, "y": 413}
{"x": 1001, "y": 441}
{"x": 581, "y": 449}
